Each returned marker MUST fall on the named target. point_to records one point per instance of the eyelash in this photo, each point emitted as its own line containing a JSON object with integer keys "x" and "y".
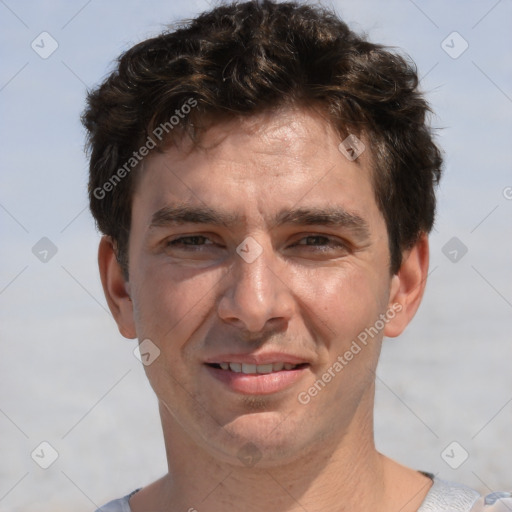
{"x": 331, "y": 241}
{"x": 179, "y": 240}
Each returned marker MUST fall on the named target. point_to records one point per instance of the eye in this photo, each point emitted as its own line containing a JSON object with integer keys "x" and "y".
{"x": 320, "y": 241}
{"x": 319, "y": 247}
{"x": 194, "y": 248}
{"x": 314, "y": 240}
{"x": 195, "y": 240}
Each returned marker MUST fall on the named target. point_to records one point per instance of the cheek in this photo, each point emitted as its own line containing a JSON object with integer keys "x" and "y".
{"x": 340, "y": 302}
{"x": 170, "y": 305}
{"x": 170, "y": 301}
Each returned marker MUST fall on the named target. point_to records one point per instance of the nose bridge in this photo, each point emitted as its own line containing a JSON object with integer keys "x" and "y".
{"x": 254, "y": 279}
{"x": 255, "y": 294}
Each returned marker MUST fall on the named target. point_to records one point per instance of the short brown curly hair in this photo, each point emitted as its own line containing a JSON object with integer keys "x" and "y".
{"x": 244, "y": 58}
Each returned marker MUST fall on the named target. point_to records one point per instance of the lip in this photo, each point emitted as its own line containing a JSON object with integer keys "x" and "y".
{"x": 257, "y": 384}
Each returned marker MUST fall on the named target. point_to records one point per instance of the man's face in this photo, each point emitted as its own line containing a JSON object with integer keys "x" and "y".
{"x": 244, "y": 334}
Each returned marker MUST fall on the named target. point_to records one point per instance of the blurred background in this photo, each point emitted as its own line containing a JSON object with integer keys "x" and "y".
{"x": 75, "y": 400}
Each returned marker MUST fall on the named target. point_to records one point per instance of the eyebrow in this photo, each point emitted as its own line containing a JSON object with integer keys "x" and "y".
{"x": 328, "y": 216}
{"x": 184, "y": 214}
{"x": 324, "y": 216}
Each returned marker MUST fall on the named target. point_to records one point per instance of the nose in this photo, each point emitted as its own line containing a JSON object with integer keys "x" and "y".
{"x": 257, "y": 295}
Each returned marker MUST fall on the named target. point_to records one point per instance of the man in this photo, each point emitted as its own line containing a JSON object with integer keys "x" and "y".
{"x": 264, "y": 179}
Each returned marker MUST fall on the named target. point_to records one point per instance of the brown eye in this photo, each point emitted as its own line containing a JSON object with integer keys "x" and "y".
{"x": 315, "y": 240}
{"x": 189, "y": 240}
{"x": 320, "y": 241}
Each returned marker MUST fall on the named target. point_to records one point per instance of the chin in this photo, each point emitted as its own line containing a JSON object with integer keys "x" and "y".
{"x": 263, "y": 439}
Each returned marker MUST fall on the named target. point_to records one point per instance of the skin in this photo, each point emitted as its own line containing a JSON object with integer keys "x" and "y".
{"x": 310, "y": 292}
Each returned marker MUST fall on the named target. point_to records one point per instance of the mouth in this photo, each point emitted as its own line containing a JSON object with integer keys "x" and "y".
{"x": 257, "y": 379}
{"x": 256, "y": 369}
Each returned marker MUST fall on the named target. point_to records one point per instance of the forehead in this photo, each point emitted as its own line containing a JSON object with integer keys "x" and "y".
{"x": 305, "y": 135}
{"x": 259, "y": 165}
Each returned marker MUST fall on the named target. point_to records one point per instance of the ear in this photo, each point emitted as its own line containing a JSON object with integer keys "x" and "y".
{"x": 116, "y": 288}
{"x": 407, "y": 287}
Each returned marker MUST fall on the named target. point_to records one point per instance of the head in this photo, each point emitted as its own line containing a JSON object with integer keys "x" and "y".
{"x": 222, "y": 137}
{"x": 243, "y": 59}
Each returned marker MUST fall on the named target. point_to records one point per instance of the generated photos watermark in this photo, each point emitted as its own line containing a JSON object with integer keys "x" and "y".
{"x": 158, "y": 134}
{"x": 304, "y": 397}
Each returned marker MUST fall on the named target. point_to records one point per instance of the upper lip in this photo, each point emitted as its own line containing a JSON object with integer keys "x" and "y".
{"x": 263, "y": 358}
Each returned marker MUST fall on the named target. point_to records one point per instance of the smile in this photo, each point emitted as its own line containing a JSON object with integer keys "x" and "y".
{"x": 257, "y": 379}
{"x": 258, "y": 369}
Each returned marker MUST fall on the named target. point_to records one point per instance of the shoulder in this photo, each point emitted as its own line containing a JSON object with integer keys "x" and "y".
{"x": 494, "y": 502}
{"x": 119, "y": 505}
{"x": 445, "y": 496}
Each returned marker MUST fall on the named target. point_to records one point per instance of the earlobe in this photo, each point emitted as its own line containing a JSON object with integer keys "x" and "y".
{"x": 116, "y": 288}
{"x": 408, "y": 286}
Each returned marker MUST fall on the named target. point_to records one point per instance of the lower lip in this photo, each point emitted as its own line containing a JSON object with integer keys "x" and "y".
{"x": 257, "y": 384}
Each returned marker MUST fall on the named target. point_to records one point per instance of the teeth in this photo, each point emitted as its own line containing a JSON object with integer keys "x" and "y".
{"x": 257, "y": 368}
{"x": 264, "y": 368}
{"x": 248, "y": 368}
{"x": 235, "y": 367}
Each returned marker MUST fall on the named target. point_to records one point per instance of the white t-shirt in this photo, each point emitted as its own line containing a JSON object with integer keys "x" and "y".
{"x": 443, "y": 496}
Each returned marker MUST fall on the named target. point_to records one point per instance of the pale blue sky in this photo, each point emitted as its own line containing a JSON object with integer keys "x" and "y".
{"x": 61, "y": 349}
